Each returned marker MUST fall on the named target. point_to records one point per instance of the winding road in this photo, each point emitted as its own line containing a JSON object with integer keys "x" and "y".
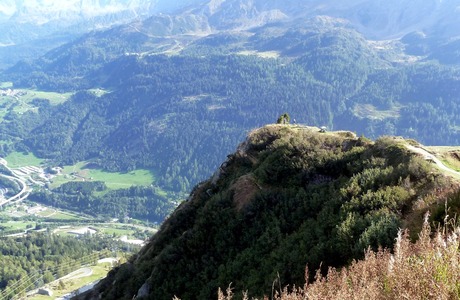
{"x": 429, "y": 156}
{"x": 24, "y": 193}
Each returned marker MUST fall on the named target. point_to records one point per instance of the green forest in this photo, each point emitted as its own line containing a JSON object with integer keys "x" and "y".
{"x": 142, "y": 203}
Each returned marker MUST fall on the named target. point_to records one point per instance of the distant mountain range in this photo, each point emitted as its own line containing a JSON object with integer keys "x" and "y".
{"x": 426, "y": 29}
{"x": 204, "y": 72}
{"x": 376, "y": 19}
{"x": 31, "y": 28}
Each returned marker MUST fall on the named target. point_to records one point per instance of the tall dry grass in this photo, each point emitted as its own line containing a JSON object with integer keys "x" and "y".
{"x": 427, "y": 269}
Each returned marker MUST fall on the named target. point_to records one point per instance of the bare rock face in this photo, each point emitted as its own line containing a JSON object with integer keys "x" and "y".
{"x": 376, "y": 19}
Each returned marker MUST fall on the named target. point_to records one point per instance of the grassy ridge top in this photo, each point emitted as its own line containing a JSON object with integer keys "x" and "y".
{"x": 289, "y": 197}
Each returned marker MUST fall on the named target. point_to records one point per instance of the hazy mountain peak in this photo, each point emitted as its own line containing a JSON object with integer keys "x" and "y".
{"x": 42, "y": 11}
{"x": 394, "y": 18}
{"x": 379, "y": 19}
{"x": 214, "y": 5}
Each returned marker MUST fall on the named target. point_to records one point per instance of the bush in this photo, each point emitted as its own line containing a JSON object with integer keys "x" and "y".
{"x": 428, "y": 269}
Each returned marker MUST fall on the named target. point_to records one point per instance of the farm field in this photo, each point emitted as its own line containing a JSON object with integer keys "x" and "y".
{"x": 113, "y": 180}
{"x": 20, "y": 159}
{"x": 19, "y": 101}
{"x": 81, "y": 172}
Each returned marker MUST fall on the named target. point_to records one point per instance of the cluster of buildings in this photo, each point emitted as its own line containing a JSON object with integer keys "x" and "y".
{"x": 12, "y": 93}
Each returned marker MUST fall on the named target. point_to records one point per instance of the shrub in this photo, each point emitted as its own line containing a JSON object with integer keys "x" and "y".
{"x": 427, "y": 269}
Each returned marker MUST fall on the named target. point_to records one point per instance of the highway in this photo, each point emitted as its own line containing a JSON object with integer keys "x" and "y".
{"x": 23, "y": 194}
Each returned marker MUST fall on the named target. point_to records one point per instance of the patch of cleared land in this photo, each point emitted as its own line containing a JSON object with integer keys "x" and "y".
{"x": 124, "y": 232}
{"x": 115, "y": 230}
{"x": 19, "y": 160}
{"x": 16, "y": 225}
{"x": 24, "y": 210}
{"x": 369, "y": 111}
{"x": 54, "y": 98}
{"x": 83, "y": 171}
{"x": 137, "y": 242}
{"x": 6, "y": 85}
{"x": 20, "y": 100}
{"x": 264, "y": 54}
{"x": 99, "y": 92}
{"x": 61, "y": 215}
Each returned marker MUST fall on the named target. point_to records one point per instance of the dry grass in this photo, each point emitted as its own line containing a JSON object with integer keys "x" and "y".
{"x": 427, "y": 269}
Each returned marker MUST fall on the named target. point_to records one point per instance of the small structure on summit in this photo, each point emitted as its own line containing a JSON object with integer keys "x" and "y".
{"x": 284, "y": 119}
{"x": 323, "y": 129}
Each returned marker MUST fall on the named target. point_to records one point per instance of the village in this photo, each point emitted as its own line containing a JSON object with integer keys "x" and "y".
{"x": 33, "y": 177}
{"x": 12, "y": 93}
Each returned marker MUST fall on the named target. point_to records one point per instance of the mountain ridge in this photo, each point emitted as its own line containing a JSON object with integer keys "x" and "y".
{"x": 290, "y": 196}
{"x": 433, "y": 18}
{"x": 374, "y": 19}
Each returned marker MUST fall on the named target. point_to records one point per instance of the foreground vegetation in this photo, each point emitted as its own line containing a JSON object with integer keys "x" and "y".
{"x": 426, "y": 269}
{"x": 288, "y": 197}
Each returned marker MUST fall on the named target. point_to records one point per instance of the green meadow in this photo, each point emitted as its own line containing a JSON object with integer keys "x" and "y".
{"x": 80, "y": 172}
{"x": 113, "y": 180}
{"x": 20, "y": 159}
{"x": 21, "y": 101}
{"x": 54, "y": 98}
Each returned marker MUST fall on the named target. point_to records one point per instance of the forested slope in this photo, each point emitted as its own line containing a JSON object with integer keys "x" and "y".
{"x": 180, "y": 112}
{"x": 288, "y": 197}
{"x": 182, "y": 89}
{"x": 180, "y": 115}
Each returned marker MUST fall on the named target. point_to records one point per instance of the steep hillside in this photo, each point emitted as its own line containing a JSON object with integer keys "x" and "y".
{"x": 290, "y": 196}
